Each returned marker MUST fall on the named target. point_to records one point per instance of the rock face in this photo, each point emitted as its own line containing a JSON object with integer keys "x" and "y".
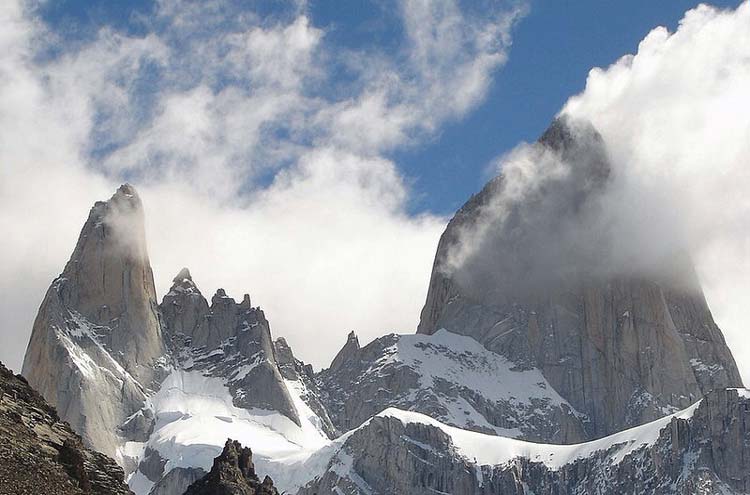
{"x": 233, "y": 473}
{"x": 224, "y": 338}
{"x": 97, "y": 334}
{"x": 620, "y": 348}
{"x": 702, "y": 450}
{"x": 451, "y": 378}
{"x": 41, "y": 454}
{"x": 348, "y": 353}
{"x": 225, "y": 376}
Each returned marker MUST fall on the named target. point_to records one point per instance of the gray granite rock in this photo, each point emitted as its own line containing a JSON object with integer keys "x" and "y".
{"x": 450, "y": 378}
{"x": 705, "y": 453}
{"x": 295, "y": 370}
{"x": 97, "y": 335}
{"x": 620, "y": 348}
{"x": 226, "y": 339}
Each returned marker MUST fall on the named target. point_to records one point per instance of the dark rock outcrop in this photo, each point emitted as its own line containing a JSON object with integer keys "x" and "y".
{"x": 233, "y": 473}
{"x": 39, "y": 453}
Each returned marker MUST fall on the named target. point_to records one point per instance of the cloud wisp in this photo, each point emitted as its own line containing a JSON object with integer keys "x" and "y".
{"x": 254, "y": 172}
{"x": 673, "y": 127}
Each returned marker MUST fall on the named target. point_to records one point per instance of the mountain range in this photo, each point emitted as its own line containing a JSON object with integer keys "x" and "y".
{"x": 524, "y": 376}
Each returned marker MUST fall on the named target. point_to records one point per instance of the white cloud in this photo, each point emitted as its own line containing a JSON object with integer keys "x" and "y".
{"x": 196, "y": 113}
{"x": 676, "y": 117}
{"x": 675, "y": 121}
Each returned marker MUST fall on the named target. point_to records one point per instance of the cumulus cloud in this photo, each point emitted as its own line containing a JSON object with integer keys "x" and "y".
{"x": 674, "y": 126}
{"x": 253, "y": 171}
{"x": 676, "y": 120}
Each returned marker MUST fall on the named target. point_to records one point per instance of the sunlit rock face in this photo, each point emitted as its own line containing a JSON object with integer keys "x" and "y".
{"x": 227, "y": 339}
{"x": 530, "y": 268}
{"x": 97, "y": 335}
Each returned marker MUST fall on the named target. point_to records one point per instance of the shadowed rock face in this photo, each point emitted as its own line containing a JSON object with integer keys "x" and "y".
{"x": 621, "y": 348}
{"x": 347, "y": 353}
{"x": 97, "y": 335}
{"x": 41, "y": 454}
{"x": 233, "y": 473}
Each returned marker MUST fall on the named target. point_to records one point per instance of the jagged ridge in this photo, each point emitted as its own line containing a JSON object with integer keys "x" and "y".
{"x": 233, "y": 473}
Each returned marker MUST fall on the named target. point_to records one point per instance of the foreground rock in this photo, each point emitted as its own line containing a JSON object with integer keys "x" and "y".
{"x": 702, "y": 450}
{"x": 233, "y": 473}
{"x": 620, "y": 348}
{"x": 39, "y": 453}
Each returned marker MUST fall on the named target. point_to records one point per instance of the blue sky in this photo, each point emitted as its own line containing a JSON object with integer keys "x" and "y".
{"x": 554, "y": 46}
{"x": 311, "y": 153}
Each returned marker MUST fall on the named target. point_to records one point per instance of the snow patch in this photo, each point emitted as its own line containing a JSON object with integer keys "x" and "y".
{"x": 195, "y": 415}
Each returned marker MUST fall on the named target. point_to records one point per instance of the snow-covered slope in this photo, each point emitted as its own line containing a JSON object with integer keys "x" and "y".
{"x": 479, "y": 449}
{"x": 224, "y": 381}
{"x": 451, "y": 378}
{"x": 195, "y": 415}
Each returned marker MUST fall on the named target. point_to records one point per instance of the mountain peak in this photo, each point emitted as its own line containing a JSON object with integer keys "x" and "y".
{"x": 233, "y": 472}
{"x": 348, "y": 352}
{"x": 127, "y": 189}
{"x": 182, "y": 275}
{"x": 543, "y": 298}
{"x": 105, "y": 299}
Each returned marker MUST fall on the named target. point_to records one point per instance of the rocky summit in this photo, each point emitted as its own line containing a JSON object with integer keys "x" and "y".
{"x": 233, "y": 473}
{"x": 620, "y": 348}
{"x": 39, "y": 453}
{"x": 528, "y": 375}
{"x": 97, "y": 334}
